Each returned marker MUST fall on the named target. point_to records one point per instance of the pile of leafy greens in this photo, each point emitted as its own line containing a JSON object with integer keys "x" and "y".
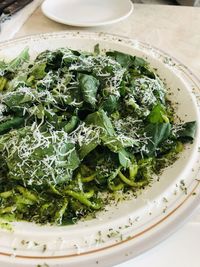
{"x": 74, "y": 125}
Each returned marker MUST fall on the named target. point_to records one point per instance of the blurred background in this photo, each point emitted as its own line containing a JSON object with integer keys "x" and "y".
{"x": 169, "y": 2}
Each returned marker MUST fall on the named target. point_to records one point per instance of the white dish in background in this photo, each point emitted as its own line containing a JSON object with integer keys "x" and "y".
{"x": 135, "y": 225}
{"x": 87, "y": 13}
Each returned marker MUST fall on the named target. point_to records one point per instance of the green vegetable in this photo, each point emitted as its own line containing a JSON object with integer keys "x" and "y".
{"x": 88, "y": 86}
{"x": 75, "y": 126}
{"x": 158, "y": 114}
{"x": 124, "y": 158}
{"x": 14, "y": 64}
{"x": 99, "y": 118}
{"x": 83, "y": 199}
{"x": 157, "y": 133}
{"x": 130, "y": 182}
{"x": 3, "y": 82}
{"x": 71, "y": 125}
{"x": 85, "y": 149}
{"x": 38, "y": 71}
{"x": 60, "y": 213}
{"x": 110, "y": 104}
{"x": 186, "y": 131}
{"x": 11, "y": 124}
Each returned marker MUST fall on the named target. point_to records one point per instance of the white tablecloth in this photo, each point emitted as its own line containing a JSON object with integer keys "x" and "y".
{"x": 11, "y": 26}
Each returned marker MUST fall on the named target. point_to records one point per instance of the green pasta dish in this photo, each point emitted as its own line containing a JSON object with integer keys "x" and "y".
{"x": 75, "y": 126}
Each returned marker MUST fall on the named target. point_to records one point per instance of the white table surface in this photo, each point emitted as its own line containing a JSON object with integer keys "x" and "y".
{"x": 11, "y": 26}
{"x": 175, "y": 30}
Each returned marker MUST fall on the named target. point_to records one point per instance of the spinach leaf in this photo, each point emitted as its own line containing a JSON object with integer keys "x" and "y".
{"x": 126, "y": 60}
{"x": 69, "y": 56}
{"x": 71, "y": 124}
{"x": 68, "y": 157}
{"x": 11, "y": 124}
{"x": 18, "y": 61}
{"x": 124, "y": 158}
{"x": 110, "y": 104}
{"x": 38, "y": 71}
{"x": 136, "y": 65}
{"x": 85, "y": 149}
{"x": 158, "y": 114}
{"x": 100, "y": 118}
{"x": 14, "y": 64}
{"x": 186, "y": 132}
{"x": 16, "y": 99}
{"x": 157, "y": 133}
{"x": 140, "y": 62}
{"x": 51, "y": 164}
{"x": 116, "y": 144}
{"x": 88, "y": 85}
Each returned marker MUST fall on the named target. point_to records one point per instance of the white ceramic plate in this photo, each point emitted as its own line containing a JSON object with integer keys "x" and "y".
{"x": 87, "y": 13}
{"x": 135, "y": 225}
